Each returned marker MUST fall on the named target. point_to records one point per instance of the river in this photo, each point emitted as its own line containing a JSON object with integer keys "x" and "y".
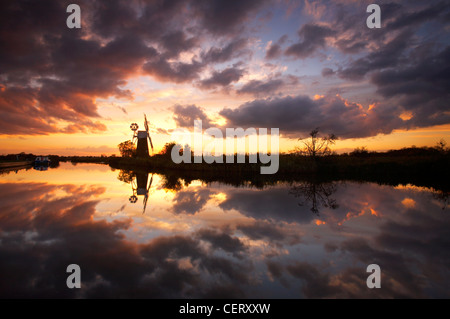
{"x": 147, "y": 236}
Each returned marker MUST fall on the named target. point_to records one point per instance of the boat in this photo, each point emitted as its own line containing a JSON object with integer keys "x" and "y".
{"x": 41, "y": 163}
{"x": 42, "y": 160}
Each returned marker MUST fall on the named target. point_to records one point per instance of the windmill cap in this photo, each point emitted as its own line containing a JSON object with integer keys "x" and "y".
{"x": 142, "y": 134}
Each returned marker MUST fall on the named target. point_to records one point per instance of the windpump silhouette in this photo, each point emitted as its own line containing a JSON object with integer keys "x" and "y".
{"x": 141, "y": 138}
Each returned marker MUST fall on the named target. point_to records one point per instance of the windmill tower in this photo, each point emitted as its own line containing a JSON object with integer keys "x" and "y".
{"x": 141, "y": 138}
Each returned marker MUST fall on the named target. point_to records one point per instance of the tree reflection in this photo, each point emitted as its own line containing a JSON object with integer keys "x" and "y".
{"x": 315, "y": 194}
{"x": 171, "y": 182}
{"x": 125, "y": 176}
{"x": 443, "y": 197}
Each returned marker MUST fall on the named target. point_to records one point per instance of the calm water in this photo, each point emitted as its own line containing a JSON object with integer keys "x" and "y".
{"x": 298, "y": 240}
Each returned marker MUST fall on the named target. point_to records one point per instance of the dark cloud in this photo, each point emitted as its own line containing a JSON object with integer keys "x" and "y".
{"x": 317, "y": 283}
{"x": 313, "y": 38}
{"x": 394, "y": 266}
{"x": 418, "y": 16}
{"x": 235, "y": 48}
{"x": 296, "y": 116}
{"x": 16, "y": 106}
{"x": 421, "y": 87}
{"x": 190, "y": 201}
{"x": 222, "y": 240}
{"x": 274, "y": 51}
{"x": 229, "y": 17}
{"x": 407, "y": 68}
{"x": 389, "y": 55}
{"x": 353, "y": 44}
{"x": 52, "y": 76}
{"x": 275, "y": 269}
{"x": 222, "y": 78}
{"x": 69, "y": 73}
{"x": 176, "y": 42}
{"x": 257, "y": 87}
{"x": 177, "y": 72}
{"x": 62, "y": 72}
{"x": 269, "y": 204}
{"x": 326, "y": 72}
{"x": 269, "y": 232}
{"x": 184, "y": 116}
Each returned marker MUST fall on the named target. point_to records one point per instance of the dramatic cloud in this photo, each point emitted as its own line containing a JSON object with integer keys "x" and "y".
{"x": 269, "y": 232}
{"x": 236, "y": 48}
{"x": 326, "y": 72}
{"x": 51, "y": 76}
{"x": 421, "y": 87}
{"x": 184, "y": 116}
{"x": 257, "y": 87}
{"x": 270, "y": 204}
{"x": 297, "y": 116}
{"x": 274, "y": 50}
{"x": 177, "y": 72}
{"x": 313, "y": 36}
{"x": 222, "y": 78}
{"x": 388, "y": 55}
{"x": 221, "y": 240}
{"x": 225, "y": 17}
{"x": 190, "y": 201}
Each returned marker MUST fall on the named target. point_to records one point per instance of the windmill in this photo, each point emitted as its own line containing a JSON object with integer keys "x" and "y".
{"x": 140, "y": 186}
{"x": 141, "y": 138}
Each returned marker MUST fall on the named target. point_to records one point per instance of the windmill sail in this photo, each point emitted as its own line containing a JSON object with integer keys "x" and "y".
{"x": 146, "y": 195}
{"x": 150, "y": 139}
{"x": 148, "y": 132}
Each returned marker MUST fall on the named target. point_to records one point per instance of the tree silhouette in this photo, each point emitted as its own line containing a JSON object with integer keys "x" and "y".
{"x": 127, "y": 149}
{"x": 317, "y": 146}
{"x": 167, "y": 149}
{"x": 441, "y": 145}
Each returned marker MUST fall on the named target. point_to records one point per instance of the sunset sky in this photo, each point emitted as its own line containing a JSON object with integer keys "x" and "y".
{"x": 292, "y": 65}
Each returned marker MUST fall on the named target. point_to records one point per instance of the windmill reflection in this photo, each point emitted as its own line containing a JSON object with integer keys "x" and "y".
{"x": 315, "y": 194}
{"x": 139, "y": 184}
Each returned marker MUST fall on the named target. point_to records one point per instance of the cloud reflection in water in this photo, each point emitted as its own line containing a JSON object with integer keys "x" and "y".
{"x": 260, "y": 243}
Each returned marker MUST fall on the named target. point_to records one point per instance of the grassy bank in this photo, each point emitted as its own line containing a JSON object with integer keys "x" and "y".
{"x": 425, "y": 170}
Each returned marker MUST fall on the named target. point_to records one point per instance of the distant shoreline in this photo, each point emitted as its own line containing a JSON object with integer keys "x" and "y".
{"x": 421, "y": 170}
{"x": 419, "y": 166}
{"x": 15, "y": 164}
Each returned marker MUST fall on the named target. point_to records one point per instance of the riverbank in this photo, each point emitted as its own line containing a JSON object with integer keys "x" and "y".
{"x": 15, "y": 164}
{"x": 427, "y": 171}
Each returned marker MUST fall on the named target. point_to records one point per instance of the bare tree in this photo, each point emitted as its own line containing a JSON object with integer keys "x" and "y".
{"x": 317, "y": 146}
{"x": 440, "y": 146}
